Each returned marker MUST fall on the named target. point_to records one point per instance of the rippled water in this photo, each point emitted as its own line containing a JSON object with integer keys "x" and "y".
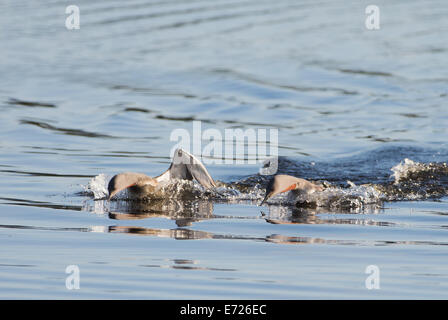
{"x": 364, "y": 112}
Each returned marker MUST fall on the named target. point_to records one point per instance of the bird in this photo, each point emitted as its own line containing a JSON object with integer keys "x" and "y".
{"x": 184, "y": 166}
{"x": 282, "y": 183}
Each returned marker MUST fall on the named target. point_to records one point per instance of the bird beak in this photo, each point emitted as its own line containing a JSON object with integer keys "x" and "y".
{"x": 111, "y": 194}
{"x": 265, "y": 199}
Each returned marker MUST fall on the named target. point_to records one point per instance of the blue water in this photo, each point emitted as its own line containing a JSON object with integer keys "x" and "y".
{"x": 349, "y": 104}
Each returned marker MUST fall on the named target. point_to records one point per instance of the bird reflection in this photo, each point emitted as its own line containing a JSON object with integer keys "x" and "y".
{"x": 178, "y": 233}
{"x": 184, "y": 213}
{"x": 295, "y": 215}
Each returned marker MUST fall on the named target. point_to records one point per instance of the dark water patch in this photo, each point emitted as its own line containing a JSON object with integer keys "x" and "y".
{"x": 40, "y": 152}
{"x": 129, "y": 152}
{"x": 171, "y": 118}
{"x": 142, "y": 110}
{"x": 413, "y": 115}
{"x": 239, "y": 123}
{"x": 47, "y": 174}
{"x": 17, "y": 265}
{"x": 123, "y": 154}
{"x": 184, "y": 261}
{"x": 39, "y": 204}
{"x": 256, "y": 80}
{"x": 114, "y": 155}
{"x": 153, "y": 91}
{"x": 384, "y": 139}
{"x": 72, "y": 132}
{"x": 440, "y": 213}
{"x": 22, "y": 227}
{"x": 267, "y": 22}
{"x": 48, "y": 205}
{"x": 55, "y": 149}
{"x": 22, "y": 200}
{"x": 131, "y": 6}
{"x": 367, "y": 73}
{"x": 17, "y": 102}
{"x": 220, "y": 18}
{"x": 181, "y": 12}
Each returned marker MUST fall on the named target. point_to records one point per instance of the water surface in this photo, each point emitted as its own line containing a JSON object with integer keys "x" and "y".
{"x": 350, "y": 105}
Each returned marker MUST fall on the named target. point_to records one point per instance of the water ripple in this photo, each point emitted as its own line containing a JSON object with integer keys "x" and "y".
{"x": 72, "y": 132}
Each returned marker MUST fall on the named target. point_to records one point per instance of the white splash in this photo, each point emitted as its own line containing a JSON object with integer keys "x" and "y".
{"x": 404, "y": 168}
{"x": 100, "y": 229}
{"x": 231, "y": 194}
{"x": 98, "y": 186}
{"x": 353, "y": 197}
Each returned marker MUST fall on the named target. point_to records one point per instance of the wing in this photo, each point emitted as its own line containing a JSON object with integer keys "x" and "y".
{"x": 185, "y": 166}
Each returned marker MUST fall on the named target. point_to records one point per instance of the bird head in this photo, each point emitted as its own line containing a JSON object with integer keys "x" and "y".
{"x": 278, "y": 184}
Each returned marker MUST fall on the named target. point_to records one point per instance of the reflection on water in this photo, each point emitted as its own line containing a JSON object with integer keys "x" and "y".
{"x": 185, "y": 213}
{"x": 349, "y": 104}
{"x": 189, "y": 214}
{"x": 182, "y": 233}
{"x": 183, "y": 264}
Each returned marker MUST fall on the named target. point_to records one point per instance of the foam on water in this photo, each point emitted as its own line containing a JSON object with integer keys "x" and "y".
{"x": 98, "y": 186}
{"x": 416, "y": 181}
{"x": 404, "y": 168}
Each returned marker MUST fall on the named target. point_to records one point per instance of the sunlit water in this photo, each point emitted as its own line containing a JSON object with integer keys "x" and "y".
{"x": 364, "y": 112}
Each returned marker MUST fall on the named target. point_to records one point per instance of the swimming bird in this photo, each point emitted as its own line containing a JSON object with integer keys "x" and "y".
{"x": 282, "y": 183}
{"x": 184, "y": 166}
